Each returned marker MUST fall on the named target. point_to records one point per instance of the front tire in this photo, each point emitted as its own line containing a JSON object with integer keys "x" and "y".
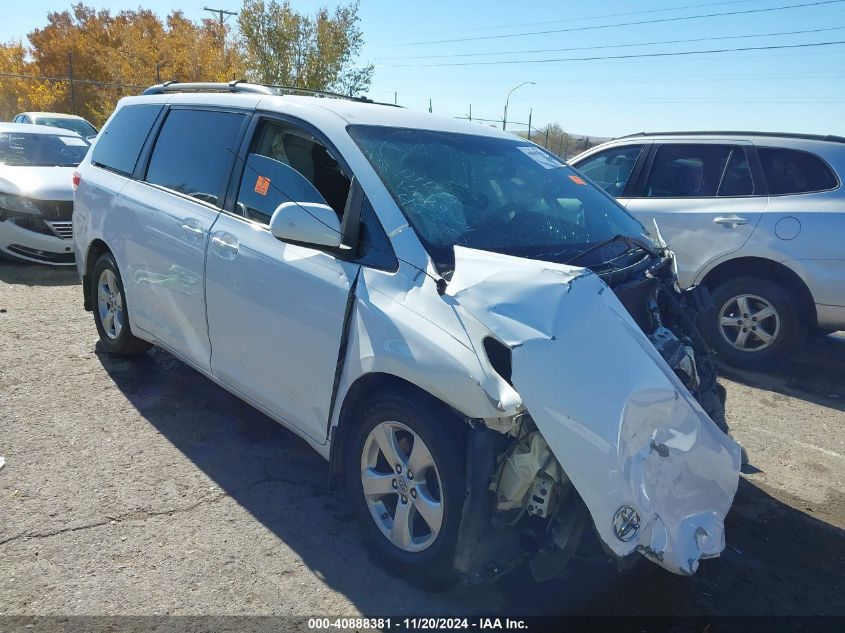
{"x": 110, "y": 312}
{"x": 757, "y": 323}
{"x": 405, "y": 470}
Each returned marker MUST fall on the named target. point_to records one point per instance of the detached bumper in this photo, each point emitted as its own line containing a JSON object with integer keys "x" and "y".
{"x": 655, "y": 472}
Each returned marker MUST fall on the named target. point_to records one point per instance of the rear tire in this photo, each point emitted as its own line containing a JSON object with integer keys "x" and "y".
{"x": 398, "y": 431}
{"x": 757, "y": 323}
{"x": 110, "y": 311}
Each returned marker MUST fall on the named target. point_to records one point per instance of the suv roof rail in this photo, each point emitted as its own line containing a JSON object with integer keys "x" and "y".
{"x": 240, "y": 86}
{"x": 810, "y": 137}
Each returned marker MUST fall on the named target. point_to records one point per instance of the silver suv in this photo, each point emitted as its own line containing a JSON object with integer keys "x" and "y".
{"x": 490, "y": 349}
{"x": 758, "y": 219}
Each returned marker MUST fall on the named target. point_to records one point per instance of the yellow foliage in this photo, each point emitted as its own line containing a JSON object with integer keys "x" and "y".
{"x": 112, "y": 56}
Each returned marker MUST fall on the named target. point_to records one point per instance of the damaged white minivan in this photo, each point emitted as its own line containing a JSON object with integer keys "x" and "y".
{"x": 493, "y": 352}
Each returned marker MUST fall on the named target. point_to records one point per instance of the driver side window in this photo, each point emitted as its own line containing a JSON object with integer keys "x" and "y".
{"x": 611, "y": 168}
{"x": 287, "y": 164}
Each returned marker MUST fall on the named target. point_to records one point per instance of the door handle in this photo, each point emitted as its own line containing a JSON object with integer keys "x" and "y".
{"x": 224, "y": 245}
{"x": 731, "y": 221}
{"x": 193, "y": 230}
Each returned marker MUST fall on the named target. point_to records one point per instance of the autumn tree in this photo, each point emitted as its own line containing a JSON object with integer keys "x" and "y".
{"x": 112, "y": 56}
{"x": 284, "y": 47}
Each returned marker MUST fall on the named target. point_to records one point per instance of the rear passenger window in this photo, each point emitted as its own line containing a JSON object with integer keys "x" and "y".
{"x": 194, "y": 151}
{"x": 737, "y": 179}
{"x": 287, "y": 164}
{"x": 120, "y": 143}
{"x": 794, "y": 171}
{"x": 687, "y": 171}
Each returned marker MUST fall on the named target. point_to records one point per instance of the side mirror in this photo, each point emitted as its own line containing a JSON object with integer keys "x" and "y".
{"x": 309, "y": 223}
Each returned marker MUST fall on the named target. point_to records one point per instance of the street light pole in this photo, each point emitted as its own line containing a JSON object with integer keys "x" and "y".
{"x": 508, "y": 98}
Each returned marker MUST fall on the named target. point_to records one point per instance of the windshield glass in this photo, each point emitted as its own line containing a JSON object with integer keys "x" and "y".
{"x": 493, "y": 194}
{"x": 18, "y": 148}
{"x": 80, "y": 126}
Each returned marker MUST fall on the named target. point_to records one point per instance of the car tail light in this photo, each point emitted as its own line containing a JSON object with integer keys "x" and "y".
{"x": 76, "y": 179}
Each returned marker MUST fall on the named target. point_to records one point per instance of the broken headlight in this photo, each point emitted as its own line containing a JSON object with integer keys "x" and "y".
{"x": 11, "y": 206}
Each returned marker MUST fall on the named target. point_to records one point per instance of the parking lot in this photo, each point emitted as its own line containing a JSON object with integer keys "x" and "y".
{"x": 140, "y": 487}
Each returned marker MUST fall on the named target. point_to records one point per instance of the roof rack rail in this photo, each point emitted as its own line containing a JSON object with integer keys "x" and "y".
{"x": 810, "y": 137}
{"x": 240, "y": 86}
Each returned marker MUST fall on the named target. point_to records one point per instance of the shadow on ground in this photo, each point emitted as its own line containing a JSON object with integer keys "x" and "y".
{"x": 779, "y": 559}
{"x": 815, "y": 374}
{"x": 27, "y": 274}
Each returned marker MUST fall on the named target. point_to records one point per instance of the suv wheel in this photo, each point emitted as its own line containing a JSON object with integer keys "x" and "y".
{"x": 757, "y": 323}
{"x": 110, "y": 314}
{"x": 405, "y": 470}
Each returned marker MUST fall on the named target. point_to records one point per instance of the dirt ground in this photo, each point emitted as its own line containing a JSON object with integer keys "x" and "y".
{"x": 142, "y": 488}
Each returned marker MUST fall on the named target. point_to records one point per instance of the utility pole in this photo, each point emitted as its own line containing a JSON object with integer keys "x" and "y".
{"x": 70, "y": 79}
{"x": 220, "y": 13}
{"x": 429, "y": 104}
{"x": 530, "y": 112}
{"x": 470, "y": 112}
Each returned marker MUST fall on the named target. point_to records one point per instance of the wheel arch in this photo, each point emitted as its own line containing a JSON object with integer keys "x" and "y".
{"x": 366, "y": 387}
{"x": 95, "y": 251}
{"x": 767, "y": 269}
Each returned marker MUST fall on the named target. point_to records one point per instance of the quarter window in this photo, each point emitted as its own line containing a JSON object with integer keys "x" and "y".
{"x": 120, "y": 142}
{"x": 287, "y": 164}
{"x": 611, "y": 168}
{"x": 794, "y": 171}
{"x": 193, "y": 152}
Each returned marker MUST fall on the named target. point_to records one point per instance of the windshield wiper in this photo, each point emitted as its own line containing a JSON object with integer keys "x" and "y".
{"x": 632, "y": 242}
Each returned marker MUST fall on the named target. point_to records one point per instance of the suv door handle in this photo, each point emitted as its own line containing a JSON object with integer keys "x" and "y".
{"x": 192, "y": 229}
{"x": 731, "y": 221}
{"x": 224, "y": 245}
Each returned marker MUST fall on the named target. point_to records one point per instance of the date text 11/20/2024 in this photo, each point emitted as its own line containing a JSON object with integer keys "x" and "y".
{"x": 410, "y": 624}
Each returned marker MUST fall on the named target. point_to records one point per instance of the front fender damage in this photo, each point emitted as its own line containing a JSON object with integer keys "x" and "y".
{"x": 654, "y": 471}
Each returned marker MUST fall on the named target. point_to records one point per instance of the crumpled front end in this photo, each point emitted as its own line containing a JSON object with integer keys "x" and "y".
{"x": 654, "y": 471}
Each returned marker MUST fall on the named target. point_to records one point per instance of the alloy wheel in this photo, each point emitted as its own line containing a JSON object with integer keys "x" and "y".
{"x": 110, "y": 304}
{"x": 401, "y": 486}
{"x": 749, "y": 323}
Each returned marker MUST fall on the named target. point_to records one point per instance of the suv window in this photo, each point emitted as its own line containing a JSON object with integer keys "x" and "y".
{"x": 611, "y": 168}
{"x": 794, "y": 171}
{"x": 120, "y": 143}
{"x": 193, "y": 152}
{"x": 737, "y": 179}
{"x": 696, "y": 171}
{"x": 286, "y": 164}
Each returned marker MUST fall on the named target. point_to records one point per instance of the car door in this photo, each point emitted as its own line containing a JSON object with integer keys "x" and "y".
{"x": 276, "y": 310}
{"x": 615, "y": 168}
{"x": 706, "y": 197}
{"x": 167, "y": 217}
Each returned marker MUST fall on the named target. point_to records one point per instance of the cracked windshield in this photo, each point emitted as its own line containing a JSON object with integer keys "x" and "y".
{"x": 494, "y": 194}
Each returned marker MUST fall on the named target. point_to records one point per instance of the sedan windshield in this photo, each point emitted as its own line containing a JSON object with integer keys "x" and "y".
{"x": 80, "y": 126}
{"x": 41, "y": 150}
{"x": 494, "y": 194}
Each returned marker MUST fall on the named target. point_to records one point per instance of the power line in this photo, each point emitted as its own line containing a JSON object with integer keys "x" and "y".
{"x": 605, "y": 57}
{"x": 614, "y": 15}
{"x": 74, "y": 80}
{"x": 608, "y": 26}
{"x": 604, "y": 46}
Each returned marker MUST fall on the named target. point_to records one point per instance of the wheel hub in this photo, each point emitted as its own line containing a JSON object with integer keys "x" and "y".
{"x": 401, "y": 486}
{"x": 749, "y": 323}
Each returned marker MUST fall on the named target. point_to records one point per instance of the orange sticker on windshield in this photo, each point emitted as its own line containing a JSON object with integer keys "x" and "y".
{"x": 262, "y": 185}
{"x": 577, "y": 180}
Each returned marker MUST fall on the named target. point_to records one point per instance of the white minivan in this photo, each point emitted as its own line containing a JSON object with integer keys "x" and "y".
{"x": 492, "y": 352}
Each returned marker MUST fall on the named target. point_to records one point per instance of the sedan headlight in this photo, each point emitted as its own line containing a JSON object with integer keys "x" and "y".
{"x": 16, "y": 204}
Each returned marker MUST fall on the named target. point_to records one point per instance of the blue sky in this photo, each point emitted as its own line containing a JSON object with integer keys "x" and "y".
{"x": 797, "y": 89}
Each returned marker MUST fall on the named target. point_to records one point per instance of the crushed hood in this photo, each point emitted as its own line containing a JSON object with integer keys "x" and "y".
{"x": 655, "y": 472}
